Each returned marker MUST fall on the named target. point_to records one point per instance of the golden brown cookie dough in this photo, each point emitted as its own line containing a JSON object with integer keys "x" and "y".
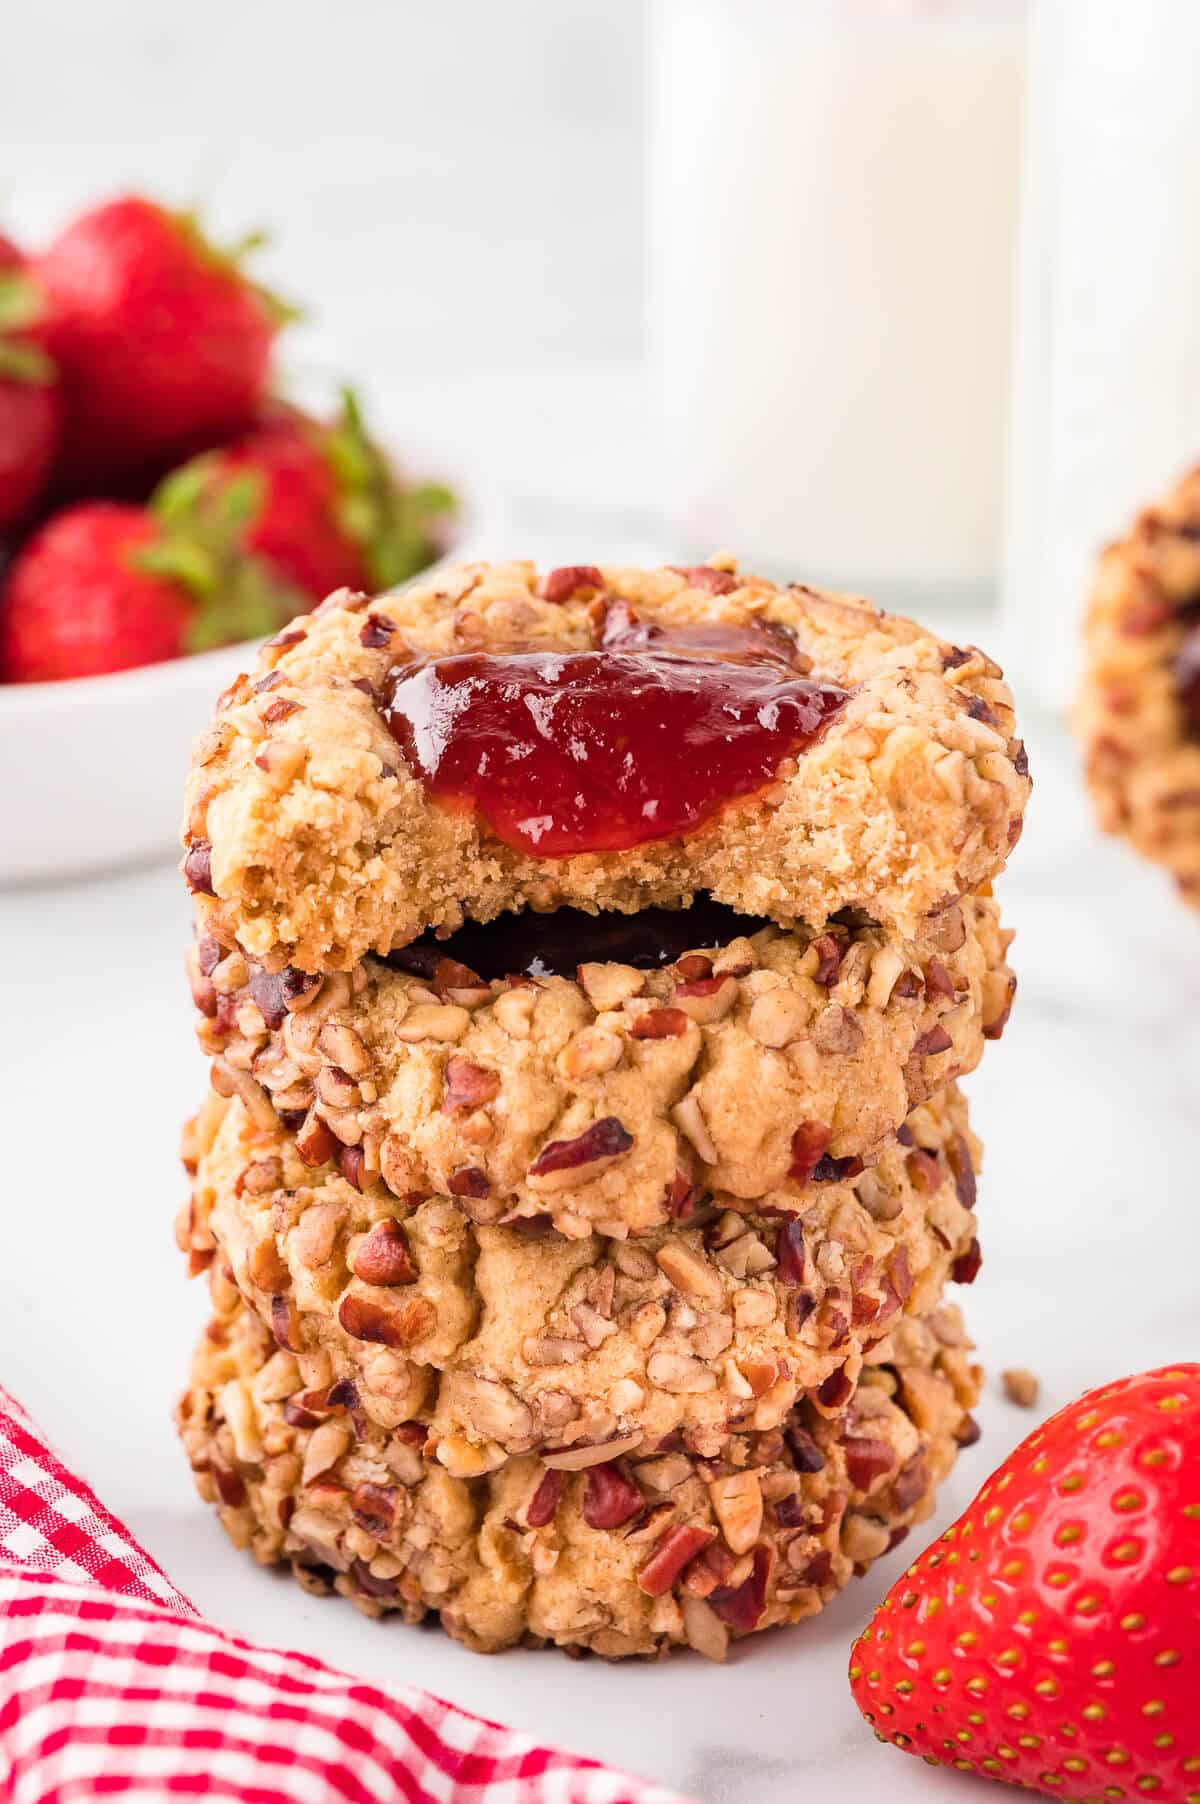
{"x": 605, "y": 1100}
{"x": 709, "y": 1327}
{"x": 315, "y": 843}
{"x": 1139, "y": 712}
{"x": 629, "y": 1556}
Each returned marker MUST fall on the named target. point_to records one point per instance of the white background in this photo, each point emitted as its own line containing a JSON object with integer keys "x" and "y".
{"x": 453, "y": 187}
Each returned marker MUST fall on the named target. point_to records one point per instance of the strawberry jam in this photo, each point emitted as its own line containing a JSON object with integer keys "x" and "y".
{"x": 597, "y": 751}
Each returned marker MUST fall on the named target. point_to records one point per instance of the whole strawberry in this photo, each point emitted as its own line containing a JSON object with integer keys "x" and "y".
{"x": 1051, "y": 1637}
{"x": 106, "y": 586}
{"x": 29, "y": 393}
{"x": 163, "y": 344}
{"x": 327, "y": 511}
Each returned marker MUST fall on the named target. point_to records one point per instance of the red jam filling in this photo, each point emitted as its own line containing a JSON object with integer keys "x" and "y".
{"x": 597, "y": 751}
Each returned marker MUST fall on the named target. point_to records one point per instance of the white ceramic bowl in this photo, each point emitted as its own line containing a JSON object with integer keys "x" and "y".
{"x": 92, "y": 770}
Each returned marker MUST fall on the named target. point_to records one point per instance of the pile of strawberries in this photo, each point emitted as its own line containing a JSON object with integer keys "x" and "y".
{"x": 156, "y": 496}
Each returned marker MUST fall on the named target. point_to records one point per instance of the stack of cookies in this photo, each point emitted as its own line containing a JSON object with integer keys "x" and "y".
{"x": 587, "y": 963}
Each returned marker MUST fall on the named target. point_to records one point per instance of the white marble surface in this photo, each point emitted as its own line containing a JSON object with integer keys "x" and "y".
{"x": 1089, "y": 1220}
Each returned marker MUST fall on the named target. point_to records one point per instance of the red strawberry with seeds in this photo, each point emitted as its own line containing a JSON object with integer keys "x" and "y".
{"x": 105, "y": 586}
{"x": 328, "y": 509}
{"x": 163, "y": 343}
{"x": 1051, "y": 1637}
{"x": 29, "y": 392}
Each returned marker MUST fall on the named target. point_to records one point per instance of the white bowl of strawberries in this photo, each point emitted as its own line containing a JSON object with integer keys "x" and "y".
{"x": 161, "y": 509}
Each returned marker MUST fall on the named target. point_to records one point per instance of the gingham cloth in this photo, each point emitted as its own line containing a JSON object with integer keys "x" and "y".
{"x": 112, "y": 1685}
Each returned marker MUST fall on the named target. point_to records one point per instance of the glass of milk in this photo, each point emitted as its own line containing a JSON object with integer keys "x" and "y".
{"x": 1107, "y": 408}
{"x": 835, "y": 186}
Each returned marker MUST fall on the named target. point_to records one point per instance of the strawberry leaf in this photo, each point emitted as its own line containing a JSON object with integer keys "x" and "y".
{"x": 21, "y": 302}
{"x": 23, "y": 361}
{"x": 393, "y": 525}
{"x": 229, "y": 261}
{"x": 202, "y": 546}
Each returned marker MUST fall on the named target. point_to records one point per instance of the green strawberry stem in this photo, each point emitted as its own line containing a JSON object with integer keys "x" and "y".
{"x": 201, "y": 547}
{"x": 21, "y": 307}
{"x": 229, "y": 259}
{"x": 393, "y": 525}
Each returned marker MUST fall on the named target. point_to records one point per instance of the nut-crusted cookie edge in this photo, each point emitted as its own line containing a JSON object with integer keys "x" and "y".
{"x": 317, "y": 845}
{"x": 1142, "y": 763}
{"x": 630, "y": 1558}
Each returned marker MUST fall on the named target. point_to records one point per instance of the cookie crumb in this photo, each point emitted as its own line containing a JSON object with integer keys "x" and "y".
{"x": 1021, "y": 1386}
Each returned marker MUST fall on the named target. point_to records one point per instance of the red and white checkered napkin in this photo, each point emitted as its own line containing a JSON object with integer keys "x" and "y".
{"x": 111, "y": 1684}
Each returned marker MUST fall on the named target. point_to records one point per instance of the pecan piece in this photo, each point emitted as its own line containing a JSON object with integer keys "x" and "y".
{"x": 681, "y": 1197}
{"x": 591, "y": 1453}
{"x": 738, "y": 1505}
{"x": 377, "y": 630}
{"x": 197, "y": 868}
{"x": 806, "y": 1455}
{"x": 911, "y": 1483}
{"x": 384, "y": 1257}
{"x": 1020, "y": 1386}
{"x": 707, "y": 999}
{"x": 659, "y": 1024}
{"x": 314, "y": 1141}
{"x": 789, "y": 1252}
{"x": 543, "y": 1503}
{"x": 924, "y": 1172}
{"x": 278, "y": 710}
{"x": 999, "y": 992}
{"x": 867, "y": 1459}
{"x": 229, "y": 1485}
{"x": 277, "y": 993}
{"x": 680, "y": 1374}
{"x": 610, "y": 1497}
{"x": 370, "y": 1583}
{"x": 706, "y": 577}
{"x": 689, "y": 1272}
{"x": 352, "y": 1163}
{"x": 467, "y": 1085}
{"x": 284, "y": 1324}
{"x": 671, "y": 1554}
{"x": 809, "y": 1143}
{"x": 299, "y": 1410}
{"x": 561, "y": 584}
{"x": 959, "y": 1154}
{"x": 965, "y": 1269}
{"x": 742, "y": 1607}
{"x": 933, "y": 1040}
{"x": 829, "y": 958}
{"x": 703, "y": 1628}
{"x": 469, "y": 1180}
{"x": 829, "y": 1170}
{"x": 290, "y": 635}
{"x": 267, "y": 1271}
{"x": 819, "y": 1570}
{"x": 836, "y": 1390}
{"x": 938, "y": 981}
{"x": 390, "y": 1324}
{"x": 562, "y": 1163}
